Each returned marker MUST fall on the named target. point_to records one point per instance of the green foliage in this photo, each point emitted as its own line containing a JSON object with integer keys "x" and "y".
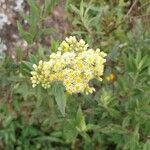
{"x": 35, "y": 20}
{"x": 60, "y": 97}
{"x": 115, "y": 117}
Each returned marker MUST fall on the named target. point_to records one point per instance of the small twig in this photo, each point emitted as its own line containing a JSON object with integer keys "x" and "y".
{"x": 141, "y": 16}
{"x": 116, "y": 27}
{"x": 126, "y": 16}
{"x": 131, "y": 8}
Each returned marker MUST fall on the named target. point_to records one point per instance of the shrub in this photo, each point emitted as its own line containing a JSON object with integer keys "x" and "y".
{"x": 112, "y": 114}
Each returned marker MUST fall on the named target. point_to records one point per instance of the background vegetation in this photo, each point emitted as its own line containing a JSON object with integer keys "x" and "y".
{"x": 116, "y": 116}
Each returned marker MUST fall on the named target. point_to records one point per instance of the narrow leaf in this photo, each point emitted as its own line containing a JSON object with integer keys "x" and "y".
{"x": 60, "y": 97}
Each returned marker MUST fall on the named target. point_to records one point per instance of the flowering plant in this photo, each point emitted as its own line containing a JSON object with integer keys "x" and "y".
{"x": 116, "y": 116}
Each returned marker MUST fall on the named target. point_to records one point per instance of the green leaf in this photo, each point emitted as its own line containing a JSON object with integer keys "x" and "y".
{"x": 8, "y": 121}
{"x": 81, "y": 9}
{"x": 138, "y": 57}
{"x": 80, "y": 120}
{"x": 24, "y": 89}
{"x": 25, "y": 35}
{"x": 60, "y": 97}
{"x": 47, "y": 138}
{"x": 45, "y": 31}
{"x": 48, "y": 6}
{"x": 142, "y": 62}
{"x": 106, "y": 97}
{"x": 54, "y": 45}
{"x": 69, "y": 130}
{"x": 134, "y": 139}
{"x": 113, "y": 128}
{"x": 147, "y": 145}
{"x": 75, "y": 9}
{"x": 34, "y": 15}
{"x": 33, "y": 59}
{"x": 26, "y": 68}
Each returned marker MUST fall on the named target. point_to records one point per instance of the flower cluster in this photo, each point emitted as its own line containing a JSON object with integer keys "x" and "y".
{"x": 74, "y": 65}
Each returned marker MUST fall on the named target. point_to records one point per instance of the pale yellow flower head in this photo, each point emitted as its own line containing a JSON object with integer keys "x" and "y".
{"x": 74, "y": 65}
